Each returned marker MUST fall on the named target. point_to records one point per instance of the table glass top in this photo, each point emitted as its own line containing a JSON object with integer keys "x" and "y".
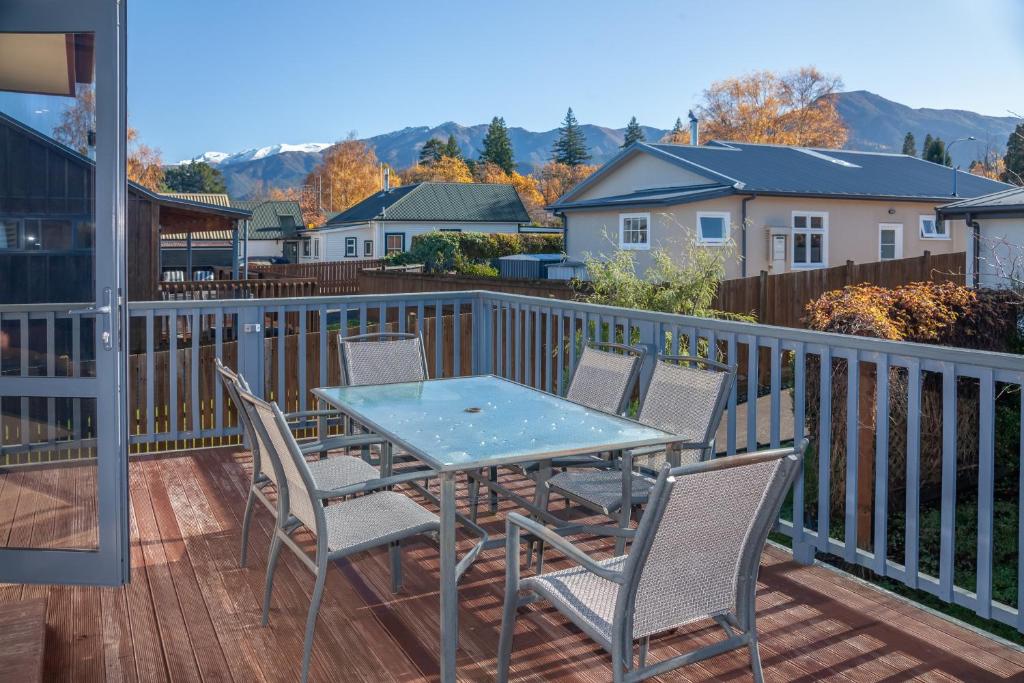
{"x": 484, "y": 420}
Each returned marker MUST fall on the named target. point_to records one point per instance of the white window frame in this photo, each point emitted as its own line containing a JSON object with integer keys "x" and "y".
{"x": 351, "y": 246}
{"x": 726, "y": 223}
{"x": 898, "y": 229}
{"x": 794, "y": 231}
{"x": 936, "y": 236}
{"x": 316, "y": 248}
{"x": 642, "y": 246}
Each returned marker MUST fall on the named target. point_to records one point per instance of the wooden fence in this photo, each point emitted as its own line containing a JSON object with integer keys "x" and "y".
{"x": 333, "y": 277}
{"x": 262, "y": 288}
{"x": 781, "y": 299}
{"x": 397, "y": 282}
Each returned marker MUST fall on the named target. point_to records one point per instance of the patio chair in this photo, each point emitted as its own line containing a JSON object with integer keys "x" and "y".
{"x": 603, "y": 380}
{"x": 382, "y": 358}
{"x": 329, "y": 473}
{"x": 686, "y": 396}
{"x": 375, "y": 519}
{"x": 694, "y": 556}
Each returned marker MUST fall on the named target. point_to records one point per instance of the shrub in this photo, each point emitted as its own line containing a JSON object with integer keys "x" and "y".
{"x": 442, "y": 252}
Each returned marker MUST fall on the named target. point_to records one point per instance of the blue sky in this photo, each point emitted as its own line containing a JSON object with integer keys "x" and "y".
{"x": 230, "y": 74}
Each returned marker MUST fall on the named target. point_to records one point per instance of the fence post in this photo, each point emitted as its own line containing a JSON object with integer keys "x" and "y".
{"x": 926, "y": 265}
{"x": 646, "y": 330}
{"x": 762, "y": 296}
{"x": 849, "y": 273}
{"x": 250, "y": 346}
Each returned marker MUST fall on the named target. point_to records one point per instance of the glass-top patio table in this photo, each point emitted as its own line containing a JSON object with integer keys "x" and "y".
{"x": 471, "y": 423}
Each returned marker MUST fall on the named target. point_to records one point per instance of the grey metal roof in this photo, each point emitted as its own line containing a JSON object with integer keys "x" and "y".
{"x": 654, "y": 197}
{"x": 1009, "y": 201}
{"x": 800, "y": 171}
{"x": 440, "y": 202}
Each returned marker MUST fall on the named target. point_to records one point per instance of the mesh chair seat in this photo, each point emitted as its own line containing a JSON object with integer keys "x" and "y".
{"x": 600, "y": 488}
{"x": 375, "y": 519}
{"x": 585, "y": 597}
{"x": 342, "y": 470}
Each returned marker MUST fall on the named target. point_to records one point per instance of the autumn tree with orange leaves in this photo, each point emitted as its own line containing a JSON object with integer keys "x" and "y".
{"x": 348, "y": 173}
{"x": 527, "y": 187}
{"x": 794, "y": 108}
{"x": 555, "y": 179}
{"x": 144, "y": 164}
{"x": 446, "y": 169}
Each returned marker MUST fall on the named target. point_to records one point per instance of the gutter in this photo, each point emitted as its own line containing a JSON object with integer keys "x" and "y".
{"x": 565, "y": 230}
{"x": 743, "y": 232}
{"x": 975, "y": 227}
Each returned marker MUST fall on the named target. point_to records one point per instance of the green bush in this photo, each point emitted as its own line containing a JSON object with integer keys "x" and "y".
{"x": 443, "y": 252}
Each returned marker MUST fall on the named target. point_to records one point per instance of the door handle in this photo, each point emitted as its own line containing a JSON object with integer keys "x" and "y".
{"x": 106, "y": 311}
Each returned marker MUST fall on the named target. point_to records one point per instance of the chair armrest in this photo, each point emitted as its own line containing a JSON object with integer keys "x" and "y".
{"x": 375, "y": 484}
{"x": 682, "y": 445}
{"x": 311, "y": 413}
{"x": 570, "y": 551}
{"x": 335, "y": 442}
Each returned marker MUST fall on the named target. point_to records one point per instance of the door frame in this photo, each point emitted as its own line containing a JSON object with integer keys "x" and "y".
{"x": 109, "y": 563}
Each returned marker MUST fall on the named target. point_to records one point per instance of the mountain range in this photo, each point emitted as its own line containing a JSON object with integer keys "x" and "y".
{"x": 874, "y": 122}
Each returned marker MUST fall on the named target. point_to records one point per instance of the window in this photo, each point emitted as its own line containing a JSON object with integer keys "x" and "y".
{"x": 368, "y": 248}
{"x": 316, "y": 248}
{"x": 890, "y": 241}
{"x": 810, "y": 239}
{"x": 286, "y": 221}
{"x": 932, "y": 230}
{"x": 350, "y": 247}
{"x": 394, "y": 243}
{"x": 307, "y": 247}
{"x": 451, "y": 229}
{"x": 634, "y": 231}
{"x": 9, "y": 234}
{"x": 85, "y": 235}
{"x": 713, "y": 227}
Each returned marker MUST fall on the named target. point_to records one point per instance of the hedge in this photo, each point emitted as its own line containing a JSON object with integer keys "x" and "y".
{"x": 446, "y": 251}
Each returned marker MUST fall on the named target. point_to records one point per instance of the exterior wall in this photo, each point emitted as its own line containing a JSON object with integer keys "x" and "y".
{"x": 852, "y": 233}
{"x": 1001, "y": 249}
{"x": 258, "y": 248}
{"x": 332, "y": 241}
{"x": 642, "y": 172}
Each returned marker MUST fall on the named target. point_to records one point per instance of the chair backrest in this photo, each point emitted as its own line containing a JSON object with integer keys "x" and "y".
{"x": 382, "y": 358}
{"x": 698, "y": 547}
{"x": 296, "y": 498}
{"x": 687, "y": 396}
{"x": 234, "y": 383}
{"x": 604, "y": 376}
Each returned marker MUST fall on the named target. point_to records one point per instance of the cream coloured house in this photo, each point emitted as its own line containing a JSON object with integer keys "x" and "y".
{"x": 780, "y": 208}
{"x": 995, "y": 242}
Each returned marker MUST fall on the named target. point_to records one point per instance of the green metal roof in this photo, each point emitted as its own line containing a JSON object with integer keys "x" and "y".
{"x": 441, "y": 202}
{"x": 272, "y": 220}
{"x": 211, "y": 198}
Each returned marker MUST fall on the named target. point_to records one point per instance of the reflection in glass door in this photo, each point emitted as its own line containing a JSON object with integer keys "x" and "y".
{"x": 62, "y": 474}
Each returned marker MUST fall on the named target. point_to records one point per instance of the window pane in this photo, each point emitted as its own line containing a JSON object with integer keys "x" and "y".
{"x": 56, "y": 235}
{"x": 799, "y": 248}
{"x": 817, "y": 222}
{"x": 799, "y": 221}
{"x": 32, "y": 240}
{"x": 816, "y": 256}
{"x": 85, "y": 235}
{"x": 712, "y": 228}
{"x": 8, "y": 234}
{"x": 888, "y": 237}
{"x": 940, "y": 228}
{"x": 928, "y": 226}
{"x": 888, "y": 251}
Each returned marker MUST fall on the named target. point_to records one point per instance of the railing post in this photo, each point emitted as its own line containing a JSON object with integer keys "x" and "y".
{"x": 481, "y": 335}
{"x": 648, "y": 340}
{"x": 250, "y": 346}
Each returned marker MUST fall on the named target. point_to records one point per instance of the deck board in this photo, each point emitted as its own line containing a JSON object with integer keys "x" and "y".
{"x": 191, "y": 613}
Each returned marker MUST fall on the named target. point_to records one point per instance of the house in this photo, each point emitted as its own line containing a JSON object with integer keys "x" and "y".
{"x": 47, "y": 222}
{"x": 785, "y": 208}
{"x": 271, "y": 233}
{"x": 385, "y": 223}
{"x": 995, "y": 244}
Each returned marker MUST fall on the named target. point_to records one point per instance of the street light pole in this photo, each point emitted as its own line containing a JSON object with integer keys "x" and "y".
{"x": 949, "y": 147}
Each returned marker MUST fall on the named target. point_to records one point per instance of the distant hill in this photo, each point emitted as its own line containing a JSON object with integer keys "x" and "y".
{"x": 875, "y": 123}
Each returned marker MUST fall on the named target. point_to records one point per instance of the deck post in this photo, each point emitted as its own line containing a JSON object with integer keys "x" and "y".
{"x": 250, "y": 336}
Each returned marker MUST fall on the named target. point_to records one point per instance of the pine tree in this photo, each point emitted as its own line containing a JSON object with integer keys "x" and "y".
{"x": 634, "y": 133}
{"x": 571, "y": 146}
{"x": 909, "y": 144}
{"x": 1014, "y": 159}
{"x": 497, "y": 146}
{"x": 433, "y": 150}
{"x": 935, "y": 152}
{"x": 195, "y": 176}
{"x": 927, "y": 143}
{"x": 451, "y": 148}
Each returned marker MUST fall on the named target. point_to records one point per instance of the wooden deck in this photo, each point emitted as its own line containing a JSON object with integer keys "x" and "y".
{"x": 190, "y": 613}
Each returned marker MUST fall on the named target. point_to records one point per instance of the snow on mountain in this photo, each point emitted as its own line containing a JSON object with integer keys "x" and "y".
{"x": 225, "y": 158}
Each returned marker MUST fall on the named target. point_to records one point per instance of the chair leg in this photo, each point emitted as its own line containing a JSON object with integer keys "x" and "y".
{"x": 268, "y": 589}
{"x": 645, "y": 647}
{"x": 508, "y": 630}
{"x": 755, "y": 661}
{"x": 246, "y": 521}
{"x": 395, "y": 555}
{"x": 541, "y": 498}
{"x": 314, "y": 607}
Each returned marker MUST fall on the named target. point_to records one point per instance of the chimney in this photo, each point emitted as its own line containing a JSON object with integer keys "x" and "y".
{"x": 387, "y": 177}
{"x": 694, "y": 130}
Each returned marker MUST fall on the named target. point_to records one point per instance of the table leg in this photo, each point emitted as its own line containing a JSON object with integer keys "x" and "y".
{"x": 387, "y": 459}
{"x": 625, "y": 513}
{"x": 449, "y": 580}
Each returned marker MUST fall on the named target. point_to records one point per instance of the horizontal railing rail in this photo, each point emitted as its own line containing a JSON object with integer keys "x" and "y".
{"x": 915, "y": 450}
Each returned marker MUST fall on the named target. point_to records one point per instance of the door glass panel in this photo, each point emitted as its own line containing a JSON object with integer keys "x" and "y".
{"x": 48, "y": 440}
